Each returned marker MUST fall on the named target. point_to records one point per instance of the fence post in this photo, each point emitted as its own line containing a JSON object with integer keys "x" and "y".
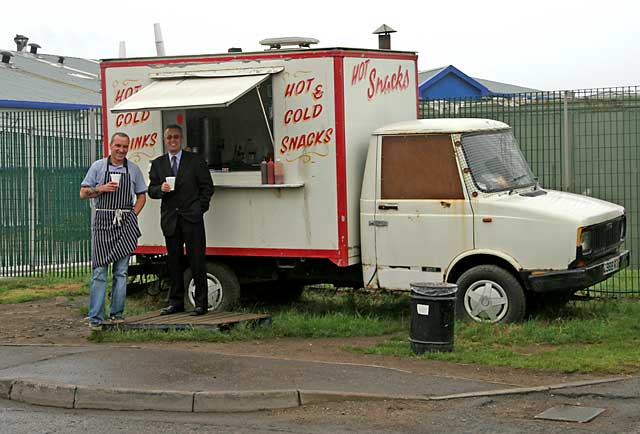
{"x": 93, "y": 132}
{"x": 31, "y": 197}
{"x": 567, "y": 155}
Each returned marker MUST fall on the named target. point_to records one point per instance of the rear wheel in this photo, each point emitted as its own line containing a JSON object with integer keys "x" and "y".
{"x": 223, "y": 286}
{"x": 488, "y": 293}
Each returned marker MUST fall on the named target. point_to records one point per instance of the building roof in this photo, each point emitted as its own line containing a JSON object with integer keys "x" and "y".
{"x": 41, "y": 81}
{"x": 426, "y": 78}
{"x": 441, "y": 126}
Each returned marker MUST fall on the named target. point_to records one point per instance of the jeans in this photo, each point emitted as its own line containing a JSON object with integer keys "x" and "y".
{"x": 98, "y": 290}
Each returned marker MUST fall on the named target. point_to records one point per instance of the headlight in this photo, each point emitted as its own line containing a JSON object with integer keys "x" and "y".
{"x": 585, "y": 242}
{"x": 623, "y": 229}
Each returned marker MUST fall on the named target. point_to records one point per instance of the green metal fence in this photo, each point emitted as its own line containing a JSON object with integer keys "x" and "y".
{"x": 583, "y": 141}
{"x": 44, "y": 154}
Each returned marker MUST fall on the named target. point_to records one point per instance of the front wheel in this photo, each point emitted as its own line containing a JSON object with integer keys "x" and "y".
{"x": 223, "y": 287}
{"x": 488, "y": 293}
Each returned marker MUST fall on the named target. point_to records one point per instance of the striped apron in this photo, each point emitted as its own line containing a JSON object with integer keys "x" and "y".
{"x": 115, "y": 225}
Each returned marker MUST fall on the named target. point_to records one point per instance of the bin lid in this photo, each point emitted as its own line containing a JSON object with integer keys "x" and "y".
{"x": 440, "y": 289}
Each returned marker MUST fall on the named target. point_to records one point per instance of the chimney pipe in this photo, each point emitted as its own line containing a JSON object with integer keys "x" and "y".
{"x": 6, "y": 57}
{"x": 384, "y": 37}
{"x": 122, "y": 52}
{"x": 159, "y": 42}
{"x": 34, "y": 48}
{"x": 21, "y": 42}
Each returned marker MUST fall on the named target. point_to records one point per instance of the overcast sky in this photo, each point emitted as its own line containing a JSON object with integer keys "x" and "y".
{"x": 544, "y": 44}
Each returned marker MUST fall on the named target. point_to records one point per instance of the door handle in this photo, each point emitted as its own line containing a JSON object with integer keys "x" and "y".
{"x": 393, "y": 206}
{"x": 378, "y": 223}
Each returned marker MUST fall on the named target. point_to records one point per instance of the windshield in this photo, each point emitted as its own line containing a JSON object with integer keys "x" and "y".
{"x": 496, "y": 162}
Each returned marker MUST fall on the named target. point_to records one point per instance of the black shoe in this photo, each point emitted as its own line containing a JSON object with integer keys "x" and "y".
{"x": 170, "y": 310}
{"x": 198, "y": 311}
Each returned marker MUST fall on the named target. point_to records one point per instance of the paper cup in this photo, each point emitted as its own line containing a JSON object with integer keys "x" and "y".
{"x": 115, "y": 177}
{"x": 171, "y": 180}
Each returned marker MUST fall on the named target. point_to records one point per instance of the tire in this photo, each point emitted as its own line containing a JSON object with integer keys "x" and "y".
{"x": 224, "y": 289}
{"x": 488, "y": 293}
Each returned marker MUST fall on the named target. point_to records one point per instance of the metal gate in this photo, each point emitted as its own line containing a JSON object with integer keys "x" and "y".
{"x": 44, "y": 154}
{"x": 583, "y": 141}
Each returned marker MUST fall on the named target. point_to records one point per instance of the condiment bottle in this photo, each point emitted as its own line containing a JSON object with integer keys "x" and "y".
{"x": 270, "y": 175}
{"x": 278, "y": 172}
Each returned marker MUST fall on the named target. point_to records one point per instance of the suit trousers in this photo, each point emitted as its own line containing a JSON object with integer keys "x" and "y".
{"x": 191, "y": 236}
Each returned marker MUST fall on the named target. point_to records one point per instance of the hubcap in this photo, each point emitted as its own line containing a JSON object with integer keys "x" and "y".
{"x": 214, "y": 292}
{"x": 486, "y": 301}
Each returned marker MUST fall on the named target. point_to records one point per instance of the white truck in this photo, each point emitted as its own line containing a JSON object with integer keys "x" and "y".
{"x": 372, "y": 197}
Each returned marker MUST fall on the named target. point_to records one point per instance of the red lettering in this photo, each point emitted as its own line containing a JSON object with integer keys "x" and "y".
{"x": 311, "y": 139}
{"x": 318, "y": 92}
{"x": 397, "y": 81}
{"x": 293, "y": 142}
{"x": 288, "y": 91}
{"x": 359, "y": 72}
{"x": 283, "y": 144}
{"x": 298, "y": 115}
{"x": 302, "y": 142}
{"x": 317, "y": 110}
{"x": 119, "y": 94}
{"x": 327, "y": 135}
{"x": 371, "y": 91}
{"x": 298, "y": 88}
{"x": 287, "y": 116}
{"x": 154, "y": 139}
{"x": 122, "y": 94}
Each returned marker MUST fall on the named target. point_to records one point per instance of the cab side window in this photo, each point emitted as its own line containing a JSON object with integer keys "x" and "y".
{"x": 419, "y": 167}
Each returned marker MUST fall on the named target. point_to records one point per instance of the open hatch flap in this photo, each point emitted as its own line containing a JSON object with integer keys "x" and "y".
{"x": 190, "y": 92}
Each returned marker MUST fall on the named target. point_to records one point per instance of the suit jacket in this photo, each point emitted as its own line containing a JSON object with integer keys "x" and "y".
{"x": 191, "y": 195}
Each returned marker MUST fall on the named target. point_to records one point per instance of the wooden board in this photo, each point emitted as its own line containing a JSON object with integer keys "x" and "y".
{"x": 184, "y": 321}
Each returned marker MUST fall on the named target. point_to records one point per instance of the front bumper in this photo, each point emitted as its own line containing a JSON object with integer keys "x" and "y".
{"x": 578, "y": 278}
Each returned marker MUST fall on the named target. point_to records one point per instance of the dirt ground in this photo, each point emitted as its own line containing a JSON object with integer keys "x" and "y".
{"x": 60, "y": 321}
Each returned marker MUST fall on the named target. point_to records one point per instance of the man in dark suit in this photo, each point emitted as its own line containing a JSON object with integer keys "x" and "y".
{"x": 181, "y": 216}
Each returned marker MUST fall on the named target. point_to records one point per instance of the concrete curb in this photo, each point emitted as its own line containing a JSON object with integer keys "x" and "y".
{"x": 135, "y": 400}
{"x": 41, "y": 393}
{"x": 86, "y": 397}
{"x": 245, "y": 400}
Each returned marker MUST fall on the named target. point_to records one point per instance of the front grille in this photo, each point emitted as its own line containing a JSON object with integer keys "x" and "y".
{"x": 606, "y": 236}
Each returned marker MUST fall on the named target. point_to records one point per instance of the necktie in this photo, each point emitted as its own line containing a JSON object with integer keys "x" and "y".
{"x": 174, "y": 166}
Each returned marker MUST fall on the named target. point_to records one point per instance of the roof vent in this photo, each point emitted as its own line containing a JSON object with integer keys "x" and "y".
{"x": 384, "y": 36}
{"x": 235, "y": 50}
{"x": 34, "y": 48}
{"x": 277, "y": 43}
{"x": 6, "y": 56}
{"x": 60, "y": 60}
{"x": 21, "y": 42}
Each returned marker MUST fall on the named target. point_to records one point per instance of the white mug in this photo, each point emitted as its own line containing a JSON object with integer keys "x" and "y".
{"x": 171, "y": 180}
{"x": 115, "y": 177}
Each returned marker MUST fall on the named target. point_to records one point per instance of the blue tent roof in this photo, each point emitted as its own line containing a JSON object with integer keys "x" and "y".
{"x": 450, "y": 82}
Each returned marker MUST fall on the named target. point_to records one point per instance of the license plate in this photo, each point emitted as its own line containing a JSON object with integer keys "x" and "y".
{"x": 611, "y": 265}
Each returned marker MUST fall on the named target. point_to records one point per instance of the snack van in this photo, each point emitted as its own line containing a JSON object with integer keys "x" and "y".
{"x": 370, "y": 195}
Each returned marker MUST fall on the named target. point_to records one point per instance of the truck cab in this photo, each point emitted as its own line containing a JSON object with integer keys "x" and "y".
{"x": 454, "y": 200}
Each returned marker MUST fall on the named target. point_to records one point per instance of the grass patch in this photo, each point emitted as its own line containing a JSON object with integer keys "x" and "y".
{"x": 587, "y": 337}
{"x": 319, "y": 314}
{"x": 601, "y": 336}
{"x": 23, "y": 289}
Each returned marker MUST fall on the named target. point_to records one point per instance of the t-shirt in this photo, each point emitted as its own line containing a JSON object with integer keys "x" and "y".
{"x": 96, "y": 174}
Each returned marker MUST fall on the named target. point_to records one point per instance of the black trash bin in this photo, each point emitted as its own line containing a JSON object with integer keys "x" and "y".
{"x": 432, "y": 316}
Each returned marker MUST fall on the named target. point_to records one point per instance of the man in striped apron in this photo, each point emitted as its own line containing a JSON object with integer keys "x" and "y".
{"x": 113, "y": 182}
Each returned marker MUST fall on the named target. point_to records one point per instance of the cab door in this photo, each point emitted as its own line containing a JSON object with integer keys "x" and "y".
{"x": 422, "y": 218}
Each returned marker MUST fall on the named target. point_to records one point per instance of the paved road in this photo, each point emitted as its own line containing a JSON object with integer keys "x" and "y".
{"x": 503, "y": 415}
